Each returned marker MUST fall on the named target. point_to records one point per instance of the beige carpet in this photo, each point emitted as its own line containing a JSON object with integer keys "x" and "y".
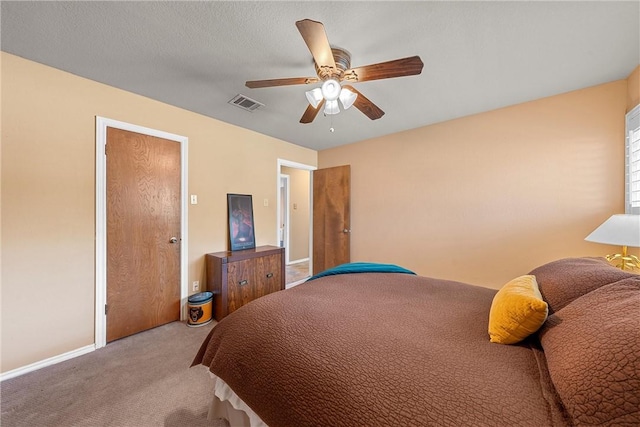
{"x": 142, "y": 380}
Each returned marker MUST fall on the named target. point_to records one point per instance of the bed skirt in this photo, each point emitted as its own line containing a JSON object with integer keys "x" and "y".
{"x": 226, "y": 404}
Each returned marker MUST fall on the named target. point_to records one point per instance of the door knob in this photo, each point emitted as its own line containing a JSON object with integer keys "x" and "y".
{"x": 346, "y": 231}
{"x": 173, "y": 240}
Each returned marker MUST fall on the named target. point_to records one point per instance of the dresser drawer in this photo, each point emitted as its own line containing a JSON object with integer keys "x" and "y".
{"x": 237, "y": 278}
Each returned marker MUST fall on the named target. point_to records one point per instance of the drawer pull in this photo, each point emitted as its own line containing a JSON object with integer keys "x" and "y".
{"x": 243, "y": 282}
{"x": 269, "y": 275}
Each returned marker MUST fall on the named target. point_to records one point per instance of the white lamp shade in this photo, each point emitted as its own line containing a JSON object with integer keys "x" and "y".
{"x": 331, "y": 89}
{"x": 347, "y": 98}
{"x": 314, "y": 97}
{"x": 331, "y": 107}
{"x": 619, "y": 230}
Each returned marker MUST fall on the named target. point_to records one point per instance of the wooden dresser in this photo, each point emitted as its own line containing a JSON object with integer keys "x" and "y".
{"x": 237, "y": 278}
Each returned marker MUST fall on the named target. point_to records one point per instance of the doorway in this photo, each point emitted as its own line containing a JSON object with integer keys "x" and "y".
{"x": 295, "y": 219}
{"x": 284, "y": 214}
{"x": 102, "y": 124}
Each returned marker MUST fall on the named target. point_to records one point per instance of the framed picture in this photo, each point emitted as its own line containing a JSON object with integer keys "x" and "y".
{"x": 241, "y": 231}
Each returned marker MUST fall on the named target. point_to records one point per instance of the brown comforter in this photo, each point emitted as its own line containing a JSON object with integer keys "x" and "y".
{"x": 379, "y": 349}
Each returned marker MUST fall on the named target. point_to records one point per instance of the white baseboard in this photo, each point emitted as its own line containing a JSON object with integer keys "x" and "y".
{"x": 291, "y": 285}
{"x": 47, "y": 362}
{"x": 298, "y": 261}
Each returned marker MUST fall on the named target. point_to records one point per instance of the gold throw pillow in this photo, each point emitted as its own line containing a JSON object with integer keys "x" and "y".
{"x": 517, "y": 311}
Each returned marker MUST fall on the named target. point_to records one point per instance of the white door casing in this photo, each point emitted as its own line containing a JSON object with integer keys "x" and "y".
{"x": 101, "y": 220}
{"x": 296, "y": 165}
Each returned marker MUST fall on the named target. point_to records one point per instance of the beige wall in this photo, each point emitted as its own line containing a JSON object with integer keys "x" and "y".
{"x": 48, "y": 197}
{"x": 299, "y": 213}
{"x": 480, "y": 199}
{"x": 633, "y": 92}
{"x": 485, "y": 198}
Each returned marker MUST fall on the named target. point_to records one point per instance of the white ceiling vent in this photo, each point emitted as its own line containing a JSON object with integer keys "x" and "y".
{"x": 245, "y": 103}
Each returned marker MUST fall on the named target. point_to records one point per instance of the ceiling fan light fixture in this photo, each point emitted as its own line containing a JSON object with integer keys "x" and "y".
{"x": 314, "y": 97}
{"x": 331, "y": 107}
{"x": 347, "y": 98}
{"x": 331, "y": 89}
{"x": 333, "y": 65}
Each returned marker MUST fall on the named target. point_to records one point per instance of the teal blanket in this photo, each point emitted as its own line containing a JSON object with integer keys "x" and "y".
{"x": 362, "y": 267}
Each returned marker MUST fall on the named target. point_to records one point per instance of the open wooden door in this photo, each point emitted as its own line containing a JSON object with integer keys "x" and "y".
{"x": 331, "y": 217}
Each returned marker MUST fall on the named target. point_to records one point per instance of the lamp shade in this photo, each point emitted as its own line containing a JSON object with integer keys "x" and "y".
{"x": 331, "y": 89}
{"x": 314, "y": 97}
{"x": 331, "y": 107}
{"x": 619, "y": 230}
{"x": 347, "y": 98}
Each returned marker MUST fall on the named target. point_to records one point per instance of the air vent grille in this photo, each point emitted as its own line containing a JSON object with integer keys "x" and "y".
{"x": 245, "y": 103}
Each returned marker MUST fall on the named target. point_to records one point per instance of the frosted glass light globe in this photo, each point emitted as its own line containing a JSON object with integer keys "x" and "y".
{"x": 331, "y": 89}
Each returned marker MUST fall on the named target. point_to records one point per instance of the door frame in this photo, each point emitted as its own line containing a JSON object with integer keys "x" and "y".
{"x": 310, "y": 168}
{"x": 284, "y": 182}
{"x": 101, "y": 219}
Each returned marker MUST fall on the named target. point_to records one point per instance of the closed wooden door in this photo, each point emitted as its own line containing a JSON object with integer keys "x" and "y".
{"x": 331, "y": 217}
{"x": 143, "y": 232}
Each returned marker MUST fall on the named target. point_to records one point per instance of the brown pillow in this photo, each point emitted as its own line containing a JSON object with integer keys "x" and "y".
{"x": 592, "y": 347}
{"x": 562, "y": 281}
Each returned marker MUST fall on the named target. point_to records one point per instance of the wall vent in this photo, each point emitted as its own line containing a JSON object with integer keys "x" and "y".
{"x": 245, "y": 103}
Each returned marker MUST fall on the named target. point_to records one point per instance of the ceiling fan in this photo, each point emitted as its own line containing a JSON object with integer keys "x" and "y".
{"x": 333, "y": 69}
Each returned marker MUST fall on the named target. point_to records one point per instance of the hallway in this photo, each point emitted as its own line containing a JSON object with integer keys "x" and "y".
{"x": 297, "y": 272}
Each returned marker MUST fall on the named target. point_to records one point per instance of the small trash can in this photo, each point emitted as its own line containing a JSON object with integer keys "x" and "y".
{"x": 200, "y": 309}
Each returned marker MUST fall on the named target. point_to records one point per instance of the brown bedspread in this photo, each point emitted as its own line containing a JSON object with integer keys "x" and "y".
{"x": 379, "y": 349}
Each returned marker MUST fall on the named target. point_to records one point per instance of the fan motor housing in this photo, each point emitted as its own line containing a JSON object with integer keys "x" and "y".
{"x": 342, "y": 59}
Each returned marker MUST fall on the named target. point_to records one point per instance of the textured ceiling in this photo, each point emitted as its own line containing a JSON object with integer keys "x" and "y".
{"x": 478, "y": 56}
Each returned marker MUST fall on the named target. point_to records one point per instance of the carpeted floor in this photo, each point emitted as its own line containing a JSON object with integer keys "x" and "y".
{"x": 141, "y": 380}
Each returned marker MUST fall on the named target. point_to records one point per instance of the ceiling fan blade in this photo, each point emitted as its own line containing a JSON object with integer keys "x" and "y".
{"x": 311, "y": 113}
{"x": 254, "y": 84}
{"x": 363, "y": 104}
{"x": 385, "y": 70}
{"x": 316, "y": 39}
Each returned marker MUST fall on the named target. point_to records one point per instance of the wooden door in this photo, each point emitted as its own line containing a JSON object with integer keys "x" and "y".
{"x": 331, "y": 217}
{"x": 143, "y": 232}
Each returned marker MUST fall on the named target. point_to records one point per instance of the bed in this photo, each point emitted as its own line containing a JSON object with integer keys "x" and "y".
{"x": 391, "y": 348}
